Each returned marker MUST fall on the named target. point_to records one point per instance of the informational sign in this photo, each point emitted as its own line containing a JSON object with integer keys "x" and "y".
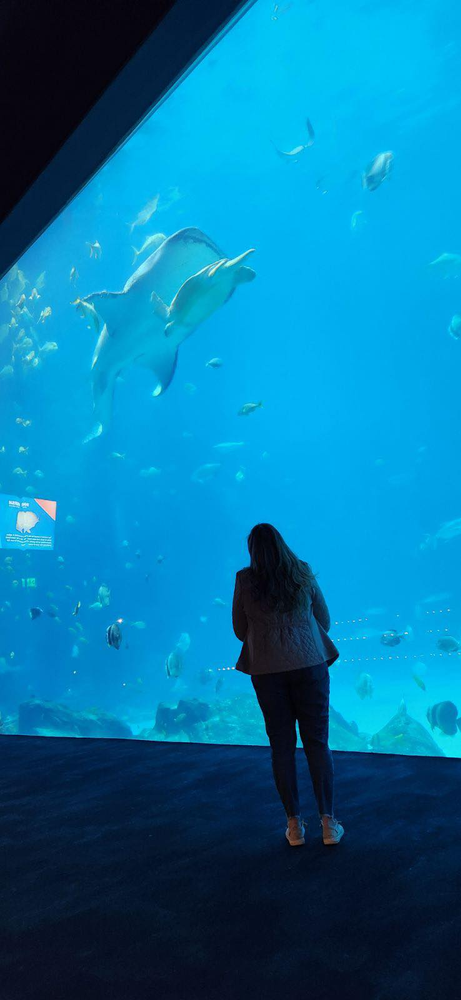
{"x": 26, "y": 524}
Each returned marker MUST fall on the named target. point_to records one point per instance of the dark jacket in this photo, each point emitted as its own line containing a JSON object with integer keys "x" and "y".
{"x": 276, "y": 641}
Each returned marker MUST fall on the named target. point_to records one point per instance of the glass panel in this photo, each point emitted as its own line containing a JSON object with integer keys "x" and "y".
{"x": 322, "y": 397}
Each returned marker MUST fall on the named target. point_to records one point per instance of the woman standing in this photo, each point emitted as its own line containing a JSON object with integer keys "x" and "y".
{"x": 280, "y": 615}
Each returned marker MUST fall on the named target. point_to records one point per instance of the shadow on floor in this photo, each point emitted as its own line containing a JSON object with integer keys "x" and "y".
{"x": 136, "y": 870}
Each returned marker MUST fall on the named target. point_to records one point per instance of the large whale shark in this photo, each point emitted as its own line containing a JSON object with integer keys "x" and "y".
{"x": 133, "y": 332}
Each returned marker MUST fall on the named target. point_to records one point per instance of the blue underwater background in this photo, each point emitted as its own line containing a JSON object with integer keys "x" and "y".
{"x": 343, "y": 336}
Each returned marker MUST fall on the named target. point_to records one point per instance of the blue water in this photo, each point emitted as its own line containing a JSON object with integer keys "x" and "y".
{"x": 343, "y": 336}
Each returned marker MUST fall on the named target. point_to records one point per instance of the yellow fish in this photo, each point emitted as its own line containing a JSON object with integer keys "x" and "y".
{"x": 419, "y": 682}
{"x": 45, "y": 313}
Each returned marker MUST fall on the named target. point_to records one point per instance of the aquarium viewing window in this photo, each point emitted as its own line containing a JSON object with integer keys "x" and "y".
{"x": 315, "y": 386}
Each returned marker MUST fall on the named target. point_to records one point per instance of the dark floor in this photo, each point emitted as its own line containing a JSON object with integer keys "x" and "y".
{"x": 150, "y": 870}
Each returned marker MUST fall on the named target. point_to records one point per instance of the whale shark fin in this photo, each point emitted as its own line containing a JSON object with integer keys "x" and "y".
{"x": 94, "y": 433}
{"x": 107, "y": 305}
{"x": 245, "y": 274}
{"x": 103, "y": 394}
{"x": 164, "y": 369}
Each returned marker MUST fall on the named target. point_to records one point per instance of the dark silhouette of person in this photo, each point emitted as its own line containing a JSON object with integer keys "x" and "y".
{"x": 280, "y": 615}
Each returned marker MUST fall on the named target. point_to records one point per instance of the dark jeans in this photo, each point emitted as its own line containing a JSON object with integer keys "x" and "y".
{"x": 301, "y": 695}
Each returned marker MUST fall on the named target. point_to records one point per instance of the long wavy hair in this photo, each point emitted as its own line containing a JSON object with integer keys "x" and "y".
{"x": 280, "y": 580}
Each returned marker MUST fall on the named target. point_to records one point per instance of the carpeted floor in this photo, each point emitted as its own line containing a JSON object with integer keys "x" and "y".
{"x": 155, "y": 871}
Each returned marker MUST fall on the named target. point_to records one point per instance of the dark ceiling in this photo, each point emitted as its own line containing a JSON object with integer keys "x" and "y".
{"x": 58, "y": 57}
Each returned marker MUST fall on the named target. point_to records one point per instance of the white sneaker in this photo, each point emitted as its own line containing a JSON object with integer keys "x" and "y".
{"x": 332, "y": 830}
{"x": 295, "y": 831}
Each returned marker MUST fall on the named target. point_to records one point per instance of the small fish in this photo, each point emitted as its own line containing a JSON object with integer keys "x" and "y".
{"x": 60, "y": 560}
{"x": 448, "y": 644}
{"x": 22, "y": 450}
{"x": 147, "y": 473}
{"x": 160, "y": 559}
{"x": 455, "y": 327}
{"x": 393, "y": 638}
{"x": 444, "y": 716}
{"x": 294, "y": 154}
{"x": 190, "y": 388}
{"x": 19, "y": 472}
{"x": 225, "y": 446}
{"x": 151, "y": 243}
{"x": 364, "y": 686}
{"x": 35, "y": 613}
{"x": 377, "y": 171}
{"x": 125, "y": 544}
{"x": 248, "y": 408}
{"x": 48, "y": 347}
{"x": 96, "y": 606}
{"x": 40, "y": 282}
{"x": 34, "y": 295}
{"x": 21, "y": 301}
{"x": 448, "y": 265}
{"x": 419, "y": 681}
{"x": 28, "y": 358}
{"x": 240, "y": 475}
{"x": 39, "y": 474}
{"x": 75, "y": 651}
{"x": 118, "y": 454}
{"x": 214, "y": 363}
{"x": 442, "y": 595}
{"x": 278, "y": 11}
{"x": 87, "y": 311}
{"x": 45, "y": 314}
{"x": 104, "y": 595}
{"x": 358, "y": 222}
{"x": 6, "y": 372}
{"x": 145, "y": 214}
{"x": 70, "y": 519}
{"x": 77, "y": 608}
{"x": 22, "y": 342}
{"x": 138, "y": 553}
{"x": 219, "y": 602}
{"x": 205, "y": 473}
{"x": 95, "y": 249}
{"x": 74, "y": 275}
{"x": 138, "y": 624}
{"x": 174, "y": 663}
{"x": 114, "y": 634}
